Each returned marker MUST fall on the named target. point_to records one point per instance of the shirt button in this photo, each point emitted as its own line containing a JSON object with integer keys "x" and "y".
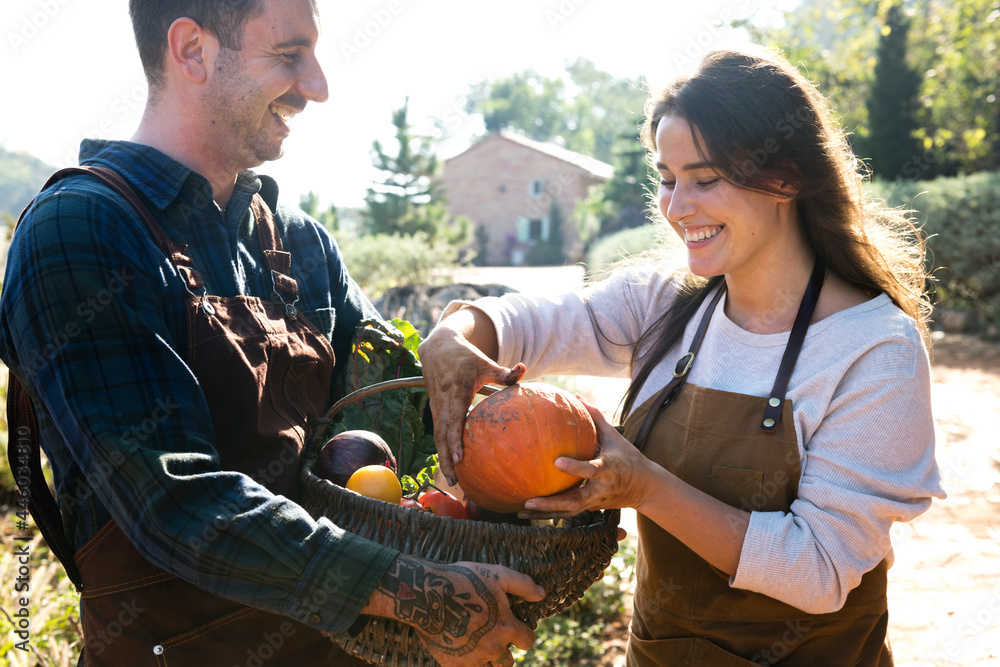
{"x": 314, "y": 618}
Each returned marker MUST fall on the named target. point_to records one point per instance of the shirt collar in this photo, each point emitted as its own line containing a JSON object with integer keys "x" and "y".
{"x": 158, "y": 177}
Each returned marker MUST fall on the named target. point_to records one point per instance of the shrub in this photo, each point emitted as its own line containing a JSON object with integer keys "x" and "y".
{"x": 380, "y": 262}
{"x": 623, "y": 245}
{"x": 578, "y": 635}
{"x": 961, "y": 217}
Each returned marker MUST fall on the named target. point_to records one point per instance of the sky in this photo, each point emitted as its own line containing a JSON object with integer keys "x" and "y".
{"x": 69, "y": 70}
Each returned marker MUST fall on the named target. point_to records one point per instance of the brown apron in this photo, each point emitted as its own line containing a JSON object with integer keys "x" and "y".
{"x": 264, "y": 370}
{"x": 684, "y": 610}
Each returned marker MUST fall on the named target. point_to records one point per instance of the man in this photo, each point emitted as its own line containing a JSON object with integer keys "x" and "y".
{"x": 174, "y": 342}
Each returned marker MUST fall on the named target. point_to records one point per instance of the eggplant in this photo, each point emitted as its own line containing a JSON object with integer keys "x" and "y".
{"x": 346, "y": 452}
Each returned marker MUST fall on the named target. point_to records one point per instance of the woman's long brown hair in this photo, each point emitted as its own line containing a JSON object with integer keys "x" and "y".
{"x": 763, "y": 124}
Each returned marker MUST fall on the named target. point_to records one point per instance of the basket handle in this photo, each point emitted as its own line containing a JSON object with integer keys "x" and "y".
{"x": 398, "y": 383}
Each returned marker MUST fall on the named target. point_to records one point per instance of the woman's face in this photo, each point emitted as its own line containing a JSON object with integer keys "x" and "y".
{"x": 727, "y": 230}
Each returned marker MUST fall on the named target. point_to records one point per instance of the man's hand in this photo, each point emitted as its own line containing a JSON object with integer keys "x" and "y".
{"x": 460, "y": 611}
{"x": 458, "y": 358}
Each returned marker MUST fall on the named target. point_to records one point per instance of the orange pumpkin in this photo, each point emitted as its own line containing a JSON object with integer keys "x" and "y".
{"x": 512, "y": 439}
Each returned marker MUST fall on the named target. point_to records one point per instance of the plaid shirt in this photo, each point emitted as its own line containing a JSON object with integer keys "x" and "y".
{"x": 92, "y": 321}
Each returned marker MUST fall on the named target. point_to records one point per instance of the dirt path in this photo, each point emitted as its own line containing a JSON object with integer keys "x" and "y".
{"x": 944, "y": 589}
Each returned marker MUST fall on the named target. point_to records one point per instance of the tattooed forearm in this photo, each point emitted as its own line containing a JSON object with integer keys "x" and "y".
{"x": 448, "y": 604}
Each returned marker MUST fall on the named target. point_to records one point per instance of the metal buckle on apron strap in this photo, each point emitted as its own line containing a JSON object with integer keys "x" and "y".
{"x": 290, "y": 309}
{"x": 202, "y": 298}
{"x": 687, "y": 360}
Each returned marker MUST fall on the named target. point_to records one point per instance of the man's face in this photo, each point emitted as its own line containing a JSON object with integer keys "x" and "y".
{"x": 254, "y": 92}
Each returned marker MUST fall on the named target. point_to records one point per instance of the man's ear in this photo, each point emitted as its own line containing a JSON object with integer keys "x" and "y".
{"x": 188, "y": 49}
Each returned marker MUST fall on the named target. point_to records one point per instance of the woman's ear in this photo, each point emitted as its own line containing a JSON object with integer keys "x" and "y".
{"x": 790, "y": 184}
{"x": 186, "y": 49}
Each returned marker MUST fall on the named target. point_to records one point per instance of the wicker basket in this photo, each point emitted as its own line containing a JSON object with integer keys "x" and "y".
{"x": 564, "y": 561}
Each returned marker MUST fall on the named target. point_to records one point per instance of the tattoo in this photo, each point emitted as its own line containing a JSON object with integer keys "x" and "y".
{"x": 452, "y": 622}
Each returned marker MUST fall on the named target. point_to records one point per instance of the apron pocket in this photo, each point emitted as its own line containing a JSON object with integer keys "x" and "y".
{"x": 686, "y": 651}
{"x": 741, "y": 488}
{"x": 246, "y": 636}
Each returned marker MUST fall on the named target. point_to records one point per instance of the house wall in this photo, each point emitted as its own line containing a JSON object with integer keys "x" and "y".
{"x": 490, "y": 184}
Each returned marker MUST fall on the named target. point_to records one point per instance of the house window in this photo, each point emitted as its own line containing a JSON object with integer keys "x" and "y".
{"x": 536, "y": 188}
{"x": 530, "y": 230}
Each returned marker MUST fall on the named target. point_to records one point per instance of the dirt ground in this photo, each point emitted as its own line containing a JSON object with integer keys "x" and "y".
{"x": 944, "y": 588}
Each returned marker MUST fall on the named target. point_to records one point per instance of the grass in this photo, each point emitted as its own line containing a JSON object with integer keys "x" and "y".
{"x": 53, "y": 606}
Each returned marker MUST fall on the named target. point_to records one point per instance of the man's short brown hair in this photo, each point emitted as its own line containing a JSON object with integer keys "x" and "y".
{"x": 151, "y": 20}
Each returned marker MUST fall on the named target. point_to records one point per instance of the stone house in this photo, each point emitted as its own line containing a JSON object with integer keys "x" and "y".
{"x": 507, "y": 185}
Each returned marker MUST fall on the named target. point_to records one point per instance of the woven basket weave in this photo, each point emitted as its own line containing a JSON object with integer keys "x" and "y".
{"x": 564, "y": 561}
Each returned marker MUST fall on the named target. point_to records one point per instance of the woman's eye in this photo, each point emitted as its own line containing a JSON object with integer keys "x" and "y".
{"x": 709, "y": 183}
{"x": 667, "y": 184}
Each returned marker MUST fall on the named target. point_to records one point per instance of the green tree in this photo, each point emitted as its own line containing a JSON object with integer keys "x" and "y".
{"x": 954, "y": 47}
{"x": 892, "y": 104}
{"x": 309, "y": 203}
{"x": 525, "y": 101}
{"x": 957, "y": 43}
{"x": 604, "y": 112}
{"x": 408, "y": 199}
{"x": 589, "y": 110}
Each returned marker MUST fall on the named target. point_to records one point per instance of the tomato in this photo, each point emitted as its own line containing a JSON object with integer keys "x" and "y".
{"x": 378, "y": 482}
{"x": 443, "y": 504}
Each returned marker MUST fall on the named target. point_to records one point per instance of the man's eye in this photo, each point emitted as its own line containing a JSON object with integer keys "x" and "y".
{"x": 289, "y": 57}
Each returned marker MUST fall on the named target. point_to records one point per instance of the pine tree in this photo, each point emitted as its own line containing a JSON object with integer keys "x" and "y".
{"x": 407, "y": 199}
{"x": 892, "y": 104}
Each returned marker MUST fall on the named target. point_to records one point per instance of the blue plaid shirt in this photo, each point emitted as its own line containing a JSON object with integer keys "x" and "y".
{"x": 92, "y": 321}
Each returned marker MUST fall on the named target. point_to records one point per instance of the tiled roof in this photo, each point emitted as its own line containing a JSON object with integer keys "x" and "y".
{"x": 585, "y": 162}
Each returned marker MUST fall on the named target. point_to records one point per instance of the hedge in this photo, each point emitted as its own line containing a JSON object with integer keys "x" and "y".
{"x": 961, "y": 218}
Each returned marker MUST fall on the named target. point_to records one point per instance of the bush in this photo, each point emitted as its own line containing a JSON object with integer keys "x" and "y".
{"x": 961, "y": 217}
{"x": 628, "y": 243}
{"x": 380, "y": 262}
{"x": 579, "y": 635}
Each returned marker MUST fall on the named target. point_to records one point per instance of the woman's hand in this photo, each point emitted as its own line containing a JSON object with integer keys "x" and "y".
{"x": 620, "y": 476}
{"x": 458, "y": 358}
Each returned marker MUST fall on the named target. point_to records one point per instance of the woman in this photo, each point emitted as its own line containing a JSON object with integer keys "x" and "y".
{"x": 779, "y": 402}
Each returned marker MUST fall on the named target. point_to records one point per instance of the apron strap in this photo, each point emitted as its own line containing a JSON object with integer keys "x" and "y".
{"x": 795, "y": 339}
{"x": 24, "y": 452}
{"x": 278, "y": 260}
{"x": 681, "y": 370}
{"x": 21, "y": 418}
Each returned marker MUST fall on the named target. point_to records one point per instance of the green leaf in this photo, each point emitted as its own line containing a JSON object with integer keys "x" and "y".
{"x": 380, "y": 353}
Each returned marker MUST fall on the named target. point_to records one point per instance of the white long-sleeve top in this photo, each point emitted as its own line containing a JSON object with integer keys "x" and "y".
{"x": 861, "y": 407}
